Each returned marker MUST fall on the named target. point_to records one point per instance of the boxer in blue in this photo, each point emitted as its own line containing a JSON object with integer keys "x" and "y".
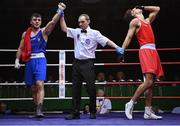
{"x": 34, "y": 40}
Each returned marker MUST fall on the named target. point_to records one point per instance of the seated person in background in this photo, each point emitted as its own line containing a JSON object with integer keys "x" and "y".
{"x": 176, "y": 110}
{"x": 50, "y": 79}
{"x": 100, "y": 77}
{"x": 86, "y": 109}
{"x": 103, "y": 105}
{"x": 110, "y": 78}
{"x": 4, "y": 109}
{"x": 156, "y": 109}
{"x": 120, "y": 76}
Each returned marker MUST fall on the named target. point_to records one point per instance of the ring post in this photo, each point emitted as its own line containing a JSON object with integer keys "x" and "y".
{"x": 62, "y": 59}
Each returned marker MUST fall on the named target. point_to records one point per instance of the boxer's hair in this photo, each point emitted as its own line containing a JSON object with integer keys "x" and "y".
{"x": 128, "y": 16}
{"x": 35, "y": 15}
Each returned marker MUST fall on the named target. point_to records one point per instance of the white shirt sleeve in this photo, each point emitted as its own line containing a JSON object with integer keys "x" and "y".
{"x": 102, "y": 40}
{"x": 71, "y": 32}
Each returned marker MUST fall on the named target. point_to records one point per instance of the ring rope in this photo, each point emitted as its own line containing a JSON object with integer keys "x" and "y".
{"x": 98, "y": 50}
{"x": 114, "y": 97}
{"x": 98, "y": 64}
{"x": 100, "y": 83}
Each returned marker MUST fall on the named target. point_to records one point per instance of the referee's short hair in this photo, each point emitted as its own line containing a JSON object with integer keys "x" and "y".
{"x": 86, "y": 17}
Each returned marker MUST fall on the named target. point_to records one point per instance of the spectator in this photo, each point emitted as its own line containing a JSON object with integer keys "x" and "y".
{"x": 110, "y": 78}
{"x": 50, "y": 79}
{"x": 120, "y": 76}
{"x": 100, "y": 77}
{"x": 86, "y": 109}
{"x": 103, "y": 105}
{"x": 156, "y": 109}
{"x": 176, "y": 110}
{"x": 4, "y": 109}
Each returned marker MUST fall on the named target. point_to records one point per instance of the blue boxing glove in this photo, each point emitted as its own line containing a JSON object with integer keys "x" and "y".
{"x": 120, "y": 52}
{"x": 60, "y": 12}
{"x": 61, "y": 8}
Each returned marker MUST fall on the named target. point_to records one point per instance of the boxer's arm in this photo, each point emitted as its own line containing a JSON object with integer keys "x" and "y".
{"x": 18, "y": 54}
{"x": 131, "y": 31}
{"x": 50, "y": 26}
{"x": 119, "y": 50}
{"x": 132, "y": 28}
{"x": 63, "y": 24}
{"x": 154, "y": 10}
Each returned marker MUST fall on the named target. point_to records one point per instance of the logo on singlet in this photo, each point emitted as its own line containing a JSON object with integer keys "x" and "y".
{"x": 38, "y": 39}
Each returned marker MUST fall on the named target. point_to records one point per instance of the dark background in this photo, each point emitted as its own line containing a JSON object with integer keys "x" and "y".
{"x": 106, "y": 16}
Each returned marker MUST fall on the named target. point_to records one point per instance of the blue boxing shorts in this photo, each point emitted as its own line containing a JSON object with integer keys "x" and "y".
{"x": 35, "y": 69}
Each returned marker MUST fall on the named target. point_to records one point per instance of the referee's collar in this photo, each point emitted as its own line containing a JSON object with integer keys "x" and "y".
{"x": 88, "y": 28}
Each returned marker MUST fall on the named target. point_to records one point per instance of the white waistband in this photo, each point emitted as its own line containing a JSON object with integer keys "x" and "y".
{"x": 37, "y": 55}
{"x": 148, "y": 46}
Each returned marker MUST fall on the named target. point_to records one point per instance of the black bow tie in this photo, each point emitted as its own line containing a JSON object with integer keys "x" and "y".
{"x": 83, "y": 31}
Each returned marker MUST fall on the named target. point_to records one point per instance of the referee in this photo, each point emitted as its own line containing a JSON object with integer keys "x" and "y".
{"x": 85, "y": 44}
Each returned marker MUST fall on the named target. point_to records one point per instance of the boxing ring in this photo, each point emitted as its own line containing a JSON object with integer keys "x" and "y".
{"x": 114, "y": 118}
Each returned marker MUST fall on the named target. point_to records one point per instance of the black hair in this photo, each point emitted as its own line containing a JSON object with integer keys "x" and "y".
{"x": 84, "y": 109}
{"x": 35, "y": 15}
{"x": 128, "y": 16}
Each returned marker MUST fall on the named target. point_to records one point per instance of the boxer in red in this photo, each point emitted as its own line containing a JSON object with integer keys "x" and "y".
{"x": 148, "y": 56}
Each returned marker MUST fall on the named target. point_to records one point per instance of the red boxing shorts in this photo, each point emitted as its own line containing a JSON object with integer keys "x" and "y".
{"x": 150, "y": 62}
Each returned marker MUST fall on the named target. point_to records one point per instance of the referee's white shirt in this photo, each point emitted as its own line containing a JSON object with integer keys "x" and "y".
{"x": 85, "y": 44}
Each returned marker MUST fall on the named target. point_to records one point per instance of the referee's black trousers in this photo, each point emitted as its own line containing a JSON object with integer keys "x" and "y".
{"x": 83, "y": 70}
